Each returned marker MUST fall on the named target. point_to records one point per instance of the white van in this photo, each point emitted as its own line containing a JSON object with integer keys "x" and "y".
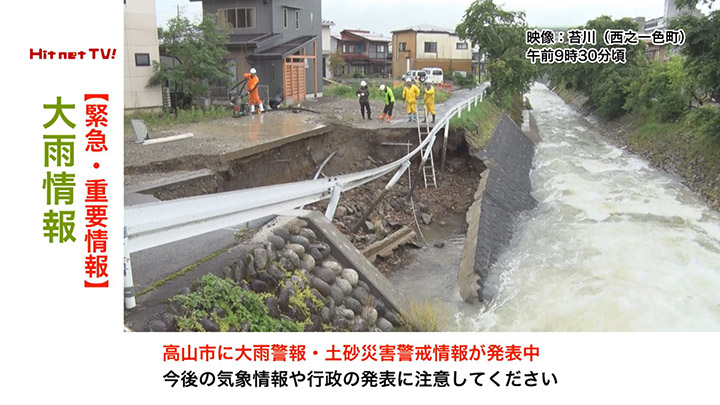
{"x": 415, "y": 75}
{"x": 434, "y": 75}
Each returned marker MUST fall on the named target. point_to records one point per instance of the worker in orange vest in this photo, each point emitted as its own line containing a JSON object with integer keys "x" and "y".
{"x": 252, "y": 83}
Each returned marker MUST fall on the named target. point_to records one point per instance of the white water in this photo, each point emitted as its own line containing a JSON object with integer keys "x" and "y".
{"x": 614, "y": 245}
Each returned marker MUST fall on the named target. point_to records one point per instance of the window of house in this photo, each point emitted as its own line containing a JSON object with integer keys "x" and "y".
{"x": 285, "y": 18}
{"x": 142, "y": 59}
{"x": 461, "y": 45}
{"x": 237, "y": 17}
{"x": 402, "y": 46}
{"x": 431, "y": 47}
{"x": 312, "y": 21}
{"x": 380, "y": 48}
{"x": 351, "y": 48}
{"x": 297, "y": 19}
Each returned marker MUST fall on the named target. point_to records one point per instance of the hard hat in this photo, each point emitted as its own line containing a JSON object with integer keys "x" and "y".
{"x": 362, "y": 83}
{"x": 253, "y": 71}
{"x": 408, "y": 80}
{"x": 382, "y": 87}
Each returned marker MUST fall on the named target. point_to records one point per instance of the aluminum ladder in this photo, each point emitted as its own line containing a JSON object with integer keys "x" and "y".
{"x": 423, "y": 131}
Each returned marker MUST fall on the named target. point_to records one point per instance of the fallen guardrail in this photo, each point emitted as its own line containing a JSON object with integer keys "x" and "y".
{"x": 159, "y": 223}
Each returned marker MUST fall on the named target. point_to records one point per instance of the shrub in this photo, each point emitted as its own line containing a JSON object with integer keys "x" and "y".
{"x": 661, "y": 89}
{"x": 608, "y": 96}
{"x": 339, "y": 90}
{"x": 706, "y": 120}
{"x": 463, "y": 81}
{"x": 241, "y": 307}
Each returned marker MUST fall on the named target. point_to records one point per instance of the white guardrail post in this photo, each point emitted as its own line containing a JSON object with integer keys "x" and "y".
{"x": 334, "y": 198}
{"x": 129, "y": 287}
{"x": 159, "y": 223}
{"x": 444, "y": 147}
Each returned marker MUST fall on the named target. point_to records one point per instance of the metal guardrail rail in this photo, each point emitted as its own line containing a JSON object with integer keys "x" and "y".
{"x": 159, "y": 223}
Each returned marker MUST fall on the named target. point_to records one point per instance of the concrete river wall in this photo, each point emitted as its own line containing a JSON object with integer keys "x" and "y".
{"x": 503, "y": 193}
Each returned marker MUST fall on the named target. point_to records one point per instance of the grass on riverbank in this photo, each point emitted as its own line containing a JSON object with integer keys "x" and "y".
{"x": 688, "y": 147}
{"x": 477, "y": 124}
{"x": 425, "y": 316}
{"x": 679, "y": 144}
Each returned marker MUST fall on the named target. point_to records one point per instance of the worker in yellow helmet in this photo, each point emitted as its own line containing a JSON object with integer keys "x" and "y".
{"x": 410, "y": 94}
{"x": 430, "y": 100}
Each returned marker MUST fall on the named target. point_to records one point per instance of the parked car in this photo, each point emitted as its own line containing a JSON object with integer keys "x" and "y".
{"x": 433, "y": 75}
{"x": 415, "y": 75}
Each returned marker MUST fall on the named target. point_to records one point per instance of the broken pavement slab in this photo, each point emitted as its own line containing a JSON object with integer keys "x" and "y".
{"x": 224, "y": 139}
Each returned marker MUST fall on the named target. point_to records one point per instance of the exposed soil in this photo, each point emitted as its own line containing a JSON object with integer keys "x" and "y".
{"x": 358, "y": 144}
{"x": 453, "y": 196}
{"x": 355, "y": 149}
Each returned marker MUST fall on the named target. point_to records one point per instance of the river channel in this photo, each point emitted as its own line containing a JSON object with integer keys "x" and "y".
{"x": 613, "y": 245}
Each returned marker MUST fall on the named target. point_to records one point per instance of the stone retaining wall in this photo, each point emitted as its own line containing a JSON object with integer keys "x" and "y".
{"x": 306, "y": 273}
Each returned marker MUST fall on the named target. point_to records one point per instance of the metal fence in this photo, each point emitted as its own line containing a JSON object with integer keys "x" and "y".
{"x": 159, "y": 223}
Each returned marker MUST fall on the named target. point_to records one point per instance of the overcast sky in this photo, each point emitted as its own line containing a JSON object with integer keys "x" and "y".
{"x": 383, "y": 16}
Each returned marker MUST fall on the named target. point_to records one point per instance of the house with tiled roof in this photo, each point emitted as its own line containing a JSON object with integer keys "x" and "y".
{"x": 365, "y": 52}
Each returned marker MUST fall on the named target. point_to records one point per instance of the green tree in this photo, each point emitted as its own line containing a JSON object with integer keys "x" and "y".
{"x": 702, "y": 50}
{"x": 693, "y": 3}
{"x": 606, "y": 85}
{"x": 200, "y": 50}
{"x": 500, "y": 34}
{"x": 336, "y": 63}
{"x": 661, "y": 89}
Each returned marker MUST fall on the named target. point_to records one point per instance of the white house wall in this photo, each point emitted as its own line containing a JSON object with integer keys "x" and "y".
{"x": 446, "y": 46}
{"x": 140, "y": 37}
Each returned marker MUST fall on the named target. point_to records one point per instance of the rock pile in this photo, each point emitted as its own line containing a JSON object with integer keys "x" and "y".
{"x": 300, "y": 281}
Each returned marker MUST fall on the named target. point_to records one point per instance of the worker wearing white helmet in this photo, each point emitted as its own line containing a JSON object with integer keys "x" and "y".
{"x": 410, "y": 95}
{"x": 252, "y": 83}
{"x": 363, "y": 94}
{"x": 389, "y": 98}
